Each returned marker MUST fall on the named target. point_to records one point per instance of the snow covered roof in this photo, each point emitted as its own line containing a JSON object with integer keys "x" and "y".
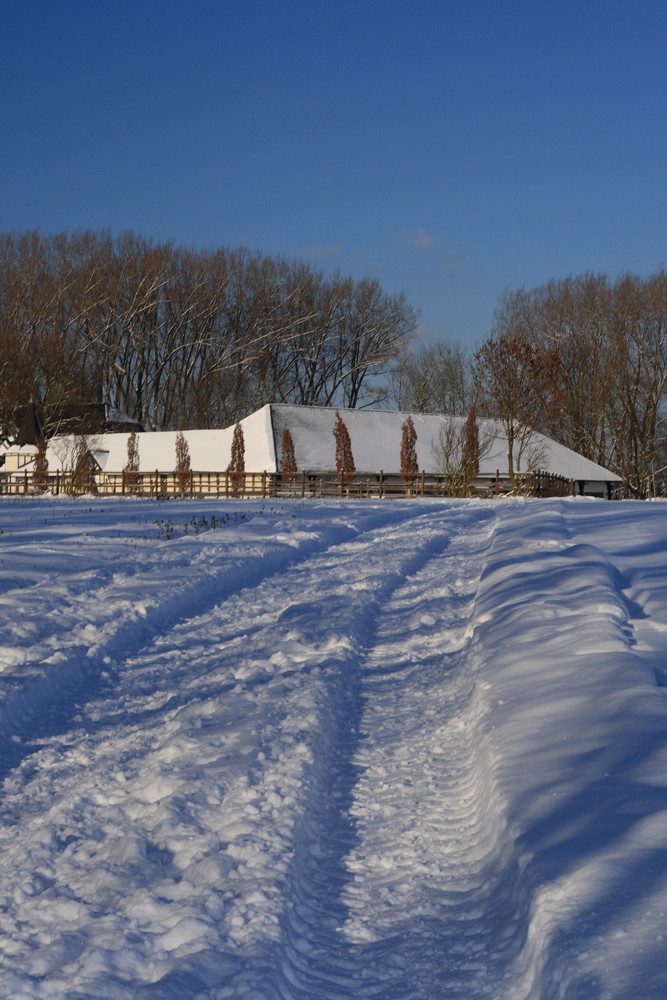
{"x": 210, "y": 450}
{"x": 375, "y": 436}
{"x": 376, "y": 442}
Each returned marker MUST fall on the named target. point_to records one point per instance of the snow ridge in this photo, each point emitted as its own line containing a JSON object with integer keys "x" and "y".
{"x": 561, "y": 723}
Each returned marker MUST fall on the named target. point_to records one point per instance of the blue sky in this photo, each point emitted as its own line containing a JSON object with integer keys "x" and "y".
{"x": 449, "y": 149}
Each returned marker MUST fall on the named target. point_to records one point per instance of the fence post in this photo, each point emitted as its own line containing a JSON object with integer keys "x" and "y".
{"x": 381, "y": 483}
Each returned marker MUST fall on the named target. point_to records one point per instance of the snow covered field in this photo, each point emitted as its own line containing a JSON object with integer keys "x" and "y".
{"x": 301, "y": 751}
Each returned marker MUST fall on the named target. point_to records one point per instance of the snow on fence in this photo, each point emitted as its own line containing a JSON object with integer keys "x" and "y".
{"x": 301, "y": 484}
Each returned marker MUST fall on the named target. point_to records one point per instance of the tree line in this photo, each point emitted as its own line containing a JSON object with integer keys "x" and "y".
{"x": 180, "y": 338}
{"x": 581, "y": 359}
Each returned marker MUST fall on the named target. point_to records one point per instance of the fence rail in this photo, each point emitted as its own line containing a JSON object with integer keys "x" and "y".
{"x": 271, "y": 484}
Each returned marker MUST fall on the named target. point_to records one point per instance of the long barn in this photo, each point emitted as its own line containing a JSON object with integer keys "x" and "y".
{"x": 375, "y": 437}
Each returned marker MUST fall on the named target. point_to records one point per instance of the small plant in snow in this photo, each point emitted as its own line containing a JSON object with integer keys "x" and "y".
{"x": 166, "y": 529}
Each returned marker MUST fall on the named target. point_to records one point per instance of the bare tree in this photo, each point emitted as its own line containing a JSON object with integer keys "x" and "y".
{"x": 376, "y": 328}
{"x": 434, "y": 378}
{"x": 637, "y": 405}
{"x": 601, "y": 350}
{"x": 507, "y": 370}
{"x": 566, "y": 323}
{"x": 77, "y": 461}
{"x": 447, "y": 451}
{"x": 175, "y": 337}
{"x": 462, "y": 445}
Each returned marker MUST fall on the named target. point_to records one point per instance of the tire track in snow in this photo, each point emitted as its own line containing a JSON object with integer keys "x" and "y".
{"x": 273, "y": 801}
{"x": 348, "y": 590}
{"x": 100, "y": 625}
{"x": 405, "y": 881}
{"x": 156, "y": 793}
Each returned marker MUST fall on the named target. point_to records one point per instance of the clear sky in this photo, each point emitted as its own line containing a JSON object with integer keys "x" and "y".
{"x": 449, "y": 149}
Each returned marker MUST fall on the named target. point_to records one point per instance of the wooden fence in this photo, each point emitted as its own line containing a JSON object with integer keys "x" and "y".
{"x": 303, "y": 484}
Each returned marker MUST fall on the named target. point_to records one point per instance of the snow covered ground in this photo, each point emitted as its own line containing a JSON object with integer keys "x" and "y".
{"x": 302, "y": 751}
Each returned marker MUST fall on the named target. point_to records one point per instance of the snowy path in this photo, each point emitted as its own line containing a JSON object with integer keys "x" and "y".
{"x": 434, "y": 872}
{"x": 409, "y": 849}
{"x": 380, "y": 751}
{"x": 154, "y": 804}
